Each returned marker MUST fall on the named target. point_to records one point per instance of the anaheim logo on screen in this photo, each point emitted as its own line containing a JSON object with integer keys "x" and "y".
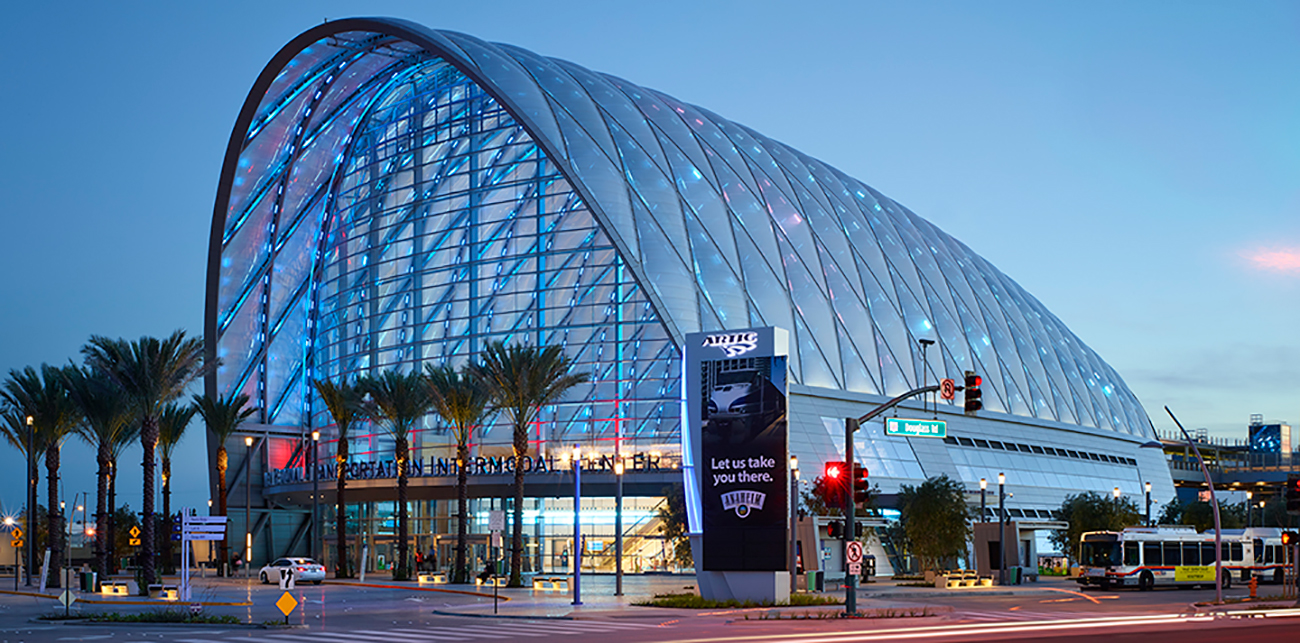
{"x": 733, "y": 344}
{"x": 743, "y": 501}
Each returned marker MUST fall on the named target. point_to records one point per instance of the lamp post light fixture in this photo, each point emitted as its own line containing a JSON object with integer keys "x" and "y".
{"x": 248, "y": 503}
{"x": 1148, "y": 516}
{"x": 315, "y": 496}
{"x": 618, "y": 526}
{"x": 1002, "y": 528}
{"x": 9, "y": 523}
{"x": 1250, "y": 505}
{"x": 31, "y": 497}
{"x": 794, "y": 523}
{"x": 577, "y": 525}
{"x": 984, "y": 486}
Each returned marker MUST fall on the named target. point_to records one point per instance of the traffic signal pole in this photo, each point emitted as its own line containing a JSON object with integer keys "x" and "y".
{"x": 850, "y": 529}
{"x": 850, "y": 580}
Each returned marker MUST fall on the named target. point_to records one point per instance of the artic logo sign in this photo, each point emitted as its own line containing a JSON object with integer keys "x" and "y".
{"x": 743, "y": 501}
{"x": 733, "y": 344}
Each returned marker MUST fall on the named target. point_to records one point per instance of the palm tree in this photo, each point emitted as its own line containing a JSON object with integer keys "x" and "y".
{"x": 522, "y": 379}
{"x": 397, "y": 402}
{"x": 106, "y": 417}
{"x": 44, "y": 397}
{"x": 151, "y": 372}
{"x": 172, "y": 423}
{"x": 124, "y": 440}
{"x": 344, "y": 404}
{"x": 462, "y": 401}
{"x": 223, "y": 416}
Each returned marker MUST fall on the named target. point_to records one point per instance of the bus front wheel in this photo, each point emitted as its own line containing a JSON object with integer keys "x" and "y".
{"x": 1146, "y": 582}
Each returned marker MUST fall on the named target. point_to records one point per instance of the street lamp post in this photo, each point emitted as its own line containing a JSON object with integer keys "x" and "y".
{"x": 1002, "y": 529}
{"x": 1148, "y": 516}
{"x": 577, "y": 525}
{"x": 315, "y": 496}
{"x": 618, "y": 525}
{"x": 794, "y": 522}
{"x": 984, "y": 485}
{"x": 9, "y": 524}
{"x": 1250, "y": 505}
{"x": 31, "y": 497}
{"x": 248, "y": 503}
{"x": 1114, "y": 505}
{"x": 1214, "y": 504}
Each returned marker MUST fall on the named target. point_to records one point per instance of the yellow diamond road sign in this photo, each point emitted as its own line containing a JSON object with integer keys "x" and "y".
{"x": 286, "y": 603}
{"x": 17, "y": 533}
{"x": 16, "y": 543}
{"x": 135, "y": 532}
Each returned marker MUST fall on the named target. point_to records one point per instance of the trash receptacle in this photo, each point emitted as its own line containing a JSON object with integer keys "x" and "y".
{"x": 815, "y": 581}
{"x": 1013, "y": 574}
{"x": 88, "y": 581}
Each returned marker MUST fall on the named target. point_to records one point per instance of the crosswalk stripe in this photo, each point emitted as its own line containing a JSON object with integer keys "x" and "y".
{"x": 589, "y": 626}
{"x": 547, "y": 628}
{"x": 342, "y": 635}
{"x": 456, "y": 631}
{"x": 501, "y": 629}
{"x": 396, "y": 636}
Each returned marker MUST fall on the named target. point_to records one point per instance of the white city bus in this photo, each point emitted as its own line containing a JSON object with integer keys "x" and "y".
{"x": 1146, "y": 557}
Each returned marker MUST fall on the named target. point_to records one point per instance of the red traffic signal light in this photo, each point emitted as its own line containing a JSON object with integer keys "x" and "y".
{"x": 1288, "y": 538}
{"x": 834, "y": 471}
{"x": 835, "y": 529}
{"x": 972, "y": 393}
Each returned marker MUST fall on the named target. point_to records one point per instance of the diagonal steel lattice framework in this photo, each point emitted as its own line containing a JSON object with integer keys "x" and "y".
{"x": 394, "y": 195}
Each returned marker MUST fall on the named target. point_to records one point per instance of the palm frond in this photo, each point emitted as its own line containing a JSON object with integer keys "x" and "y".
{"x": 223, "y": 414}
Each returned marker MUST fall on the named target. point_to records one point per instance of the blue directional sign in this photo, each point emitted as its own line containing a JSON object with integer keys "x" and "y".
{"x": 916, "y": 428}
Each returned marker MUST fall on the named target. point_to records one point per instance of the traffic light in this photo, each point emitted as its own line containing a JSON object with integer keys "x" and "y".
{"x": 857, "y": 528}
{"x": 861, "y": 491}
{"x": 1293, "y": 493}
{"x": 1289, "y": 538}
{"x": 834, "y": 472}
{"x": 971, "y": 392}
{"x": 835, "y": 529}
{"x": 834, "y": 484}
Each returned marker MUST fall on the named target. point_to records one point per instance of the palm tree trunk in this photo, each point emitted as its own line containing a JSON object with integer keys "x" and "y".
{"x": 401, "y": 571}
{"x": 460, "y": 574}
{"x": 342, "y": 567}
{"x": 112, "y": 516}
{"x": 167, "y": 515}
{"x": 101, "y": 516}
{"x": 223, "y": 462}
{"x": 149, "y": 442}
{"x": 517, "y": 529}
{"x": 54, "y": 526}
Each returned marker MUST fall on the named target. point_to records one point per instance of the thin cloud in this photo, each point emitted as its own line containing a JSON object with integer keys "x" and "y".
{"x": 1279, "y": 260}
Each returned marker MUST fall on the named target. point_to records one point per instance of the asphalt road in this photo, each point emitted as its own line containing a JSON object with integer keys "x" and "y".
{"x": 337, "y": 613}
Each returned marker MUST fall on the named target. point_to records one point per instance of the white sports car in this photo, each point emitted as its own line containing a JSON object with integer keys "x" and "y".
{"x": 303, "y": 569}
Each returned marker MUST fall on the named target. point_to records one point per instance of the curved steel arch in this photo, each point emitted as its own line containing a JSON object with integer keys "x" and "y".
{"x": 437, "y": 45}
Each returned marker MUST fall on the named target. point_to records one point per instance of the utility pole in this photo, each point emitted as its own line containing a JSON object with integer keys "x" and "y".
{"x": 850, "y": 580}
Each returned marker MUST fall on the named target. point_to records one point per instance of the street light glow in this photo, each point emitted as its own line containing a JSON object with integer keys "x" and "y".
{"x": 1002, "y": 478}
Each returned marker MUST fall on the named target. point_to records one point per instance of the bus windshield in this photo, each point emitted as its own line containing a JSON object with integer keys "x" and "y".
{"x": 1101, "y": 554}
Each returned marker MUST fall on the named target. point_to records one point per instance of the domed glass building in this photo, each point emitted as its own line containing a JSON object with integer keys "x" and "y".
{"x": 394, "y": 196}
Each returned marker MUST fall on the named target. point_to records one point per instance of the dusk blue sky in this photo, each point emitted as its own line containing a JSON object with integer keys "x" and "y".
{"x": 1135, "y": 166}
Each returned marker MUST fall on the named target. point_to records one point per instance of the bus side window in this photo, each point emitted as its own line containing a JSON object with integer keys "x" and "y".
{"x": 1236, "y": 552}
{"x": 1131, "y": 555}
{"x": 1173, "y": 554}
{"x": 1207, "y": 553}
{"x": 1191, "y": 554}
{"x": 1268, "y": 553}
{"x": 1151, "y": 554}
